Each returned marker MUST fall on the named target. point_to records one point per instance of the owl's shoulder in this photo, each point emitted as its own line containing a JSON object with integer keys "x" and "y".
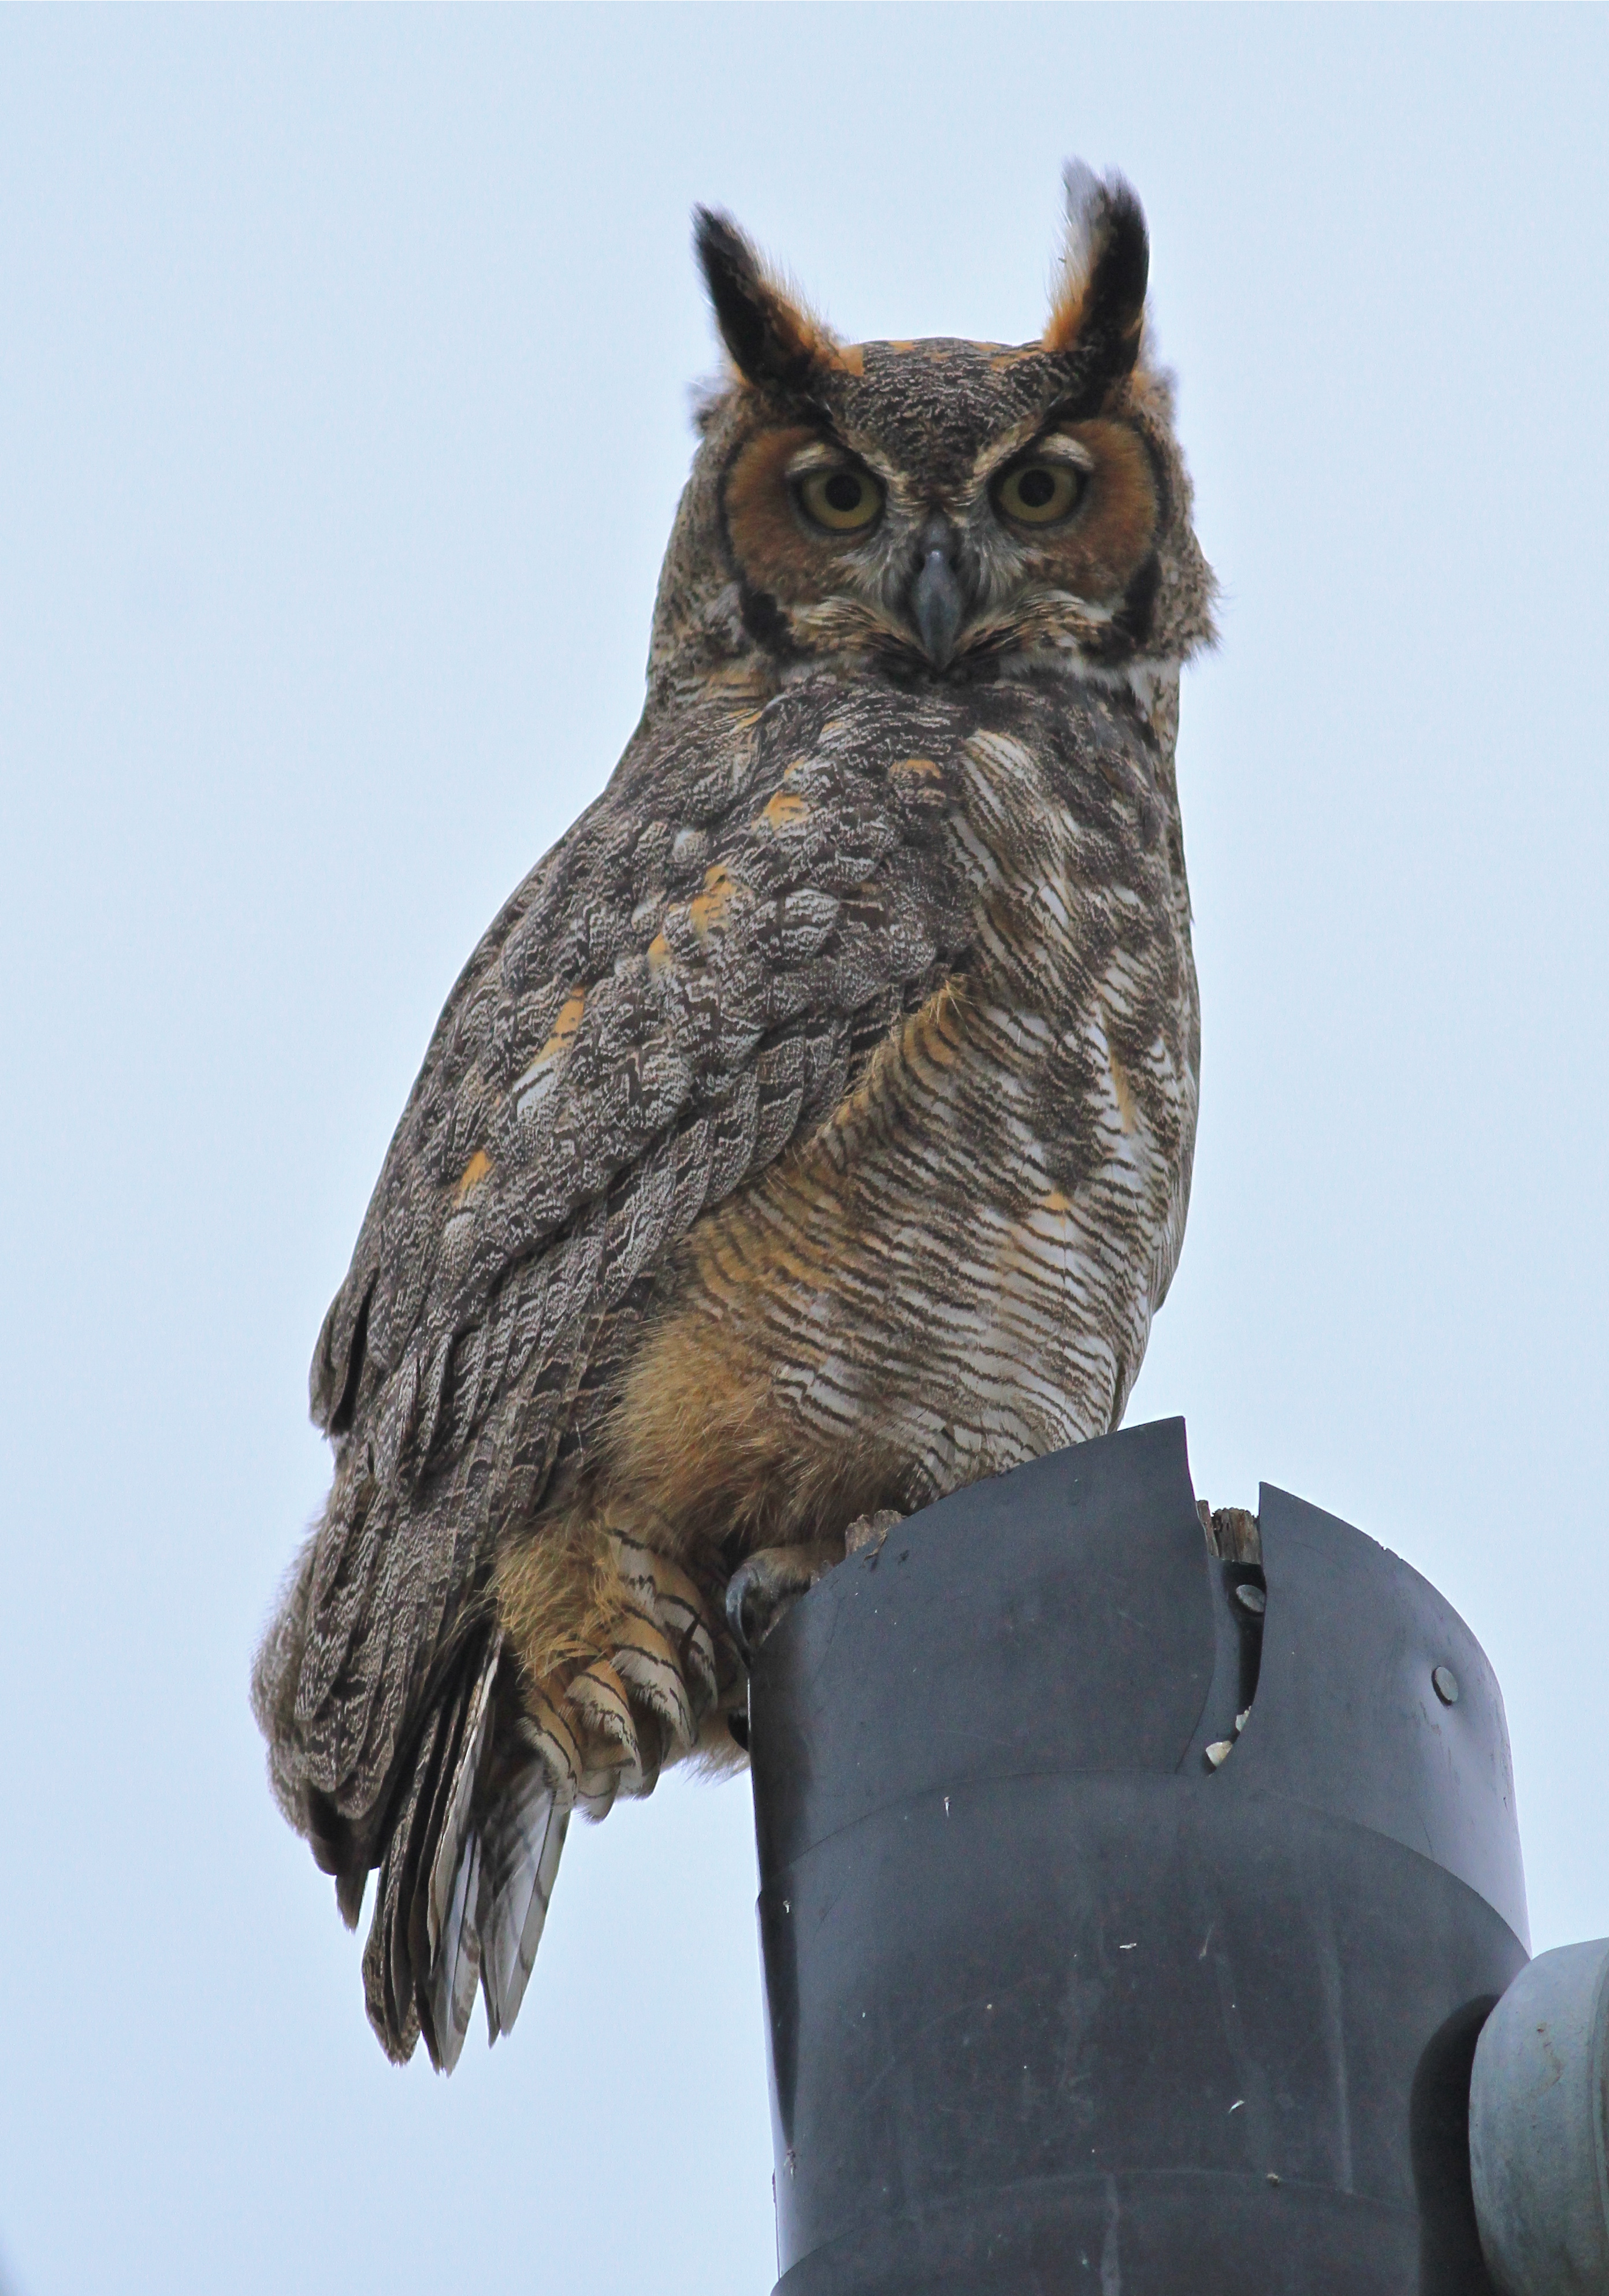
{"x": 748, "y": 877}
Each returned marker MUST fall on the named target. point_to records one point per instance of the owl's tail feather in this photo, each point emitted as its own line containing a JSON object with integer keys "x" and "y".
{"x": 523, "y": 1840}
{"x": 469, "y": 1867}
{"x": 473, "y": 1848}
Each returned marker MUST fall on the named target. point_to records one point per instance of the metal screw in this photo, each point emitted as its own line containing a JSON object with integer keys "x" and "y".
{"x": 1446, "y": 1684}
{"x": 1253, "y": 1599}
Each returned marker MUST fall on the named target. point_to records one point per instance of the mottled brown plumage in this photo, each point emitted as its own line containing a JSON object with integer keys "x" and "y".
{"x": 809, "y": 1135}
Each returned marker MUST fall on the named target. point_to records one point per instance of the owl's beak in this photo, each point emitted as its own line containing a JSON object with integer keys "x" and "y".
{"x": 937, "y": 603}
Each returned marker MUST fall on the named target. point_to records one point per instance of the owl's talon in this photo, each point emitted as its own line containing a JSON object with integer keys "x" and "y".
{"x": 867, "y": 1533}
{"x": 765, "y": 1587}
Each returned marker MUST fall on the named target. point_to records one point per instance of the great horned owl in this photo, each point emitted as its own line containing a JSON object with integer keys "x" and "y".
{"x": 810, "y": 1134}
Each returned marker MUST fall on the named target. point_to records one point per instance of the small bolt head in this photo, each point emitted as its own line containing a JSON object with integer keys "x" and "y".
{"x": 1253, "y": 1599}
{"x": 1446, "y": 1684}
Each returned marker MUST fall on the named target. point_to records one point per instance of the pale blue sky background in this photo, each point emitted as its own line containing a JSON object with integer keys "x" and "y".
{"x": 343, "y": 372}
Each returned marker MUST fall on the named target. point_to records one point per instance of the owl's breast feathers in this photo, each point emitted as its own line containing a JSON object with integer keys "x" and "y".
{"x": 898, "y": 972}
{"x": 956, "y": 1270}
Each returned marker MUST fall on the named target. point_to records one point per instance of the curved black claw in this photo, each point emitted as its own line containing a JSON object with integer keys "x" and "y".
{"x": 765, "y": 1587}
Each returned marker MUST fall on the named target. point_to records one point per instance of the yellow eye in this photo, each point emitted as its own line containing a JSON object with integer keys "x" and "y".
{"x": 1039, "y": 493}
{"x": 845, "y": 501}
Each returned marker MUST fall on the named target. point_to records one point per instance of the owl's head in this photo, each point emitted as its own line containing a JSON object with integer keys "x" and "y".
{"x": 942, "y": 510}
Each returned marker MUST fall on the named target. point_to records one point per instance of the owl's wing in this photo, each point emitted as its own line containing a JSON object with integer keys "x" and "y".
{"x": 680, "y": 990}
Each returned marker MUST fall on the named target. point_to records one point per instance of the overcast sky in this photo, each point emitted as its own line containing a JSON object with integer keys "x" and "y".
{"x": 344, "y": 362}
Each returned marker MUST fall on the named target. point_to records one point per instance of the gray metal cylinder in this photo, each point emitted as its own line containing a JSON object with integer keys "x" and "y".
{"x": 1539, "y": 2128}
{"x": 1121, "y": 1933}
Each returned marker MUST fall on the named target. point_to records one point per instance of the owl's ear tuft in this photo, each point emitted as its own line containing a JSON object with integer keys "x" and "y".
{"x": 773, "y": 342}
{"x": 1099, "y": 308}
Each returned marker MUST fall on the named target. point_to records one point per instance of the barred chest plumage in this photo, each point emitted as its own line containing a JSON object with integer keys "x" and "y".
{"x": 958, "y": 1269}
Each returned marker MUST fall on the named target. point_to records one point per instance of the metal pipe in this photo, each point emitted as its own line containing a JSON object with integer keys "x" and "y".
{"x": 1119, "y": 1933}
